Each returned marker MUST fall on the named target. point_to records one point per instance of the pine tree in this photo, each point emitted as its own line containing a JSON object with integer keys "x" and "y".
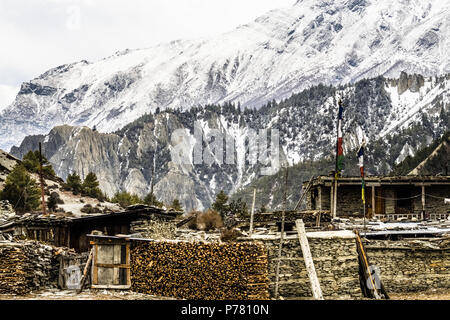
{"x": 238, "y": 208}
{"x": 176, "y": 205}
{"x": 31, "y": 163}
{"x": 150, "y": 200}
{"x": 91, "y": 186}
{"x": 125, "y": 199}
{"x": 74, "y": 183}
{"x": 21, "y": 190}
{"x": 220, "y": 204}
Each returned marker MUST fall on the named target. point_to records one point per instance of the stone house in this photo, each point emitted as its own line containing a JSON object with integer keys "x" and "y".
{"x": 420, "y": 197}
{"x": 72, "y": 232}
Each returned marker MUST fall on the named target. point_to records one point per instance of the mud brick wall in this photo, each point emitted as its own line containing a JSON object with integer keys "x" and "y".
{"x": 26, "y": 267}
{"x": 154, "y": 229}
{"x": 335, "y": 260}
{"x": 200, "y": 270}
{"x": 410, "y": 269}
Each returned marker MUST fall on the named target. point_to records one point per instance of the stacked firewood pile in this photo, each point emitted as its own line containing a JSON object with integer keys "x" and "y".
{"x": 200, "y": 270}
{"x": 26, "y": 266}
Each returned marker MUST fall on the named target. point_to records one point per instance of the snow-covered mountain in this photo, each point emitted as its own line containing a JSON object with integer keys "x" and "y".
{"x": 283, "y": 51}
{"x": 397, "y": 117}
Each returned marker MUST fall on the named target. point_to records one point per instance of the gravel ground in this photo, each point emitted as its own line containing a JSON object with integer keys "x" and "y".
{"x": 427, "y": 295}
{"x": 56, "y": 294}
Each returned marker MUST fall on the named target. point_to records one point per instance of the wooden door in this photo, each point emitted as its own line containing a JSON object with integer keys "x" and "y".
{"x": 111, "y": 266}
{"x": 379, "y": 201}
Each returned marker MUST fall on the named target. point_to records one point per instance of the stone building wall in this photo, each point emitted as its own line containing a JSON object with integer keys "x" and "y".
{"x": 436, "y": 205}
{"x": 335, "y": 259}
{"x": 326, "y": 198}
{"x": 410, "y": 269}
{"x": 349, "y": 201}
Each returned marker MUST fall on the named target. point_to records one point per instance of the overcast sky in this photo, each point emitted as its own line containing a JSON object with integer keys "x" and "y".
{"x": 36, "y": 35}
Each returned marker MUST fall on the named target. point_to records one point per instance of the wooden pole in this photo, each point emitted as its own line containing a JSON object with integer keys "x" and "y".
{"x": 373, "y": 201}
{"x": 423, "y": 202}
{"x": 253, "y": 212}
{"x": 41, "y": 178}
{"x": 86, "y": 269}
{"x": 335, "y": 198}
{"x": 372, "y": 287}
{"x": 277, "y": 273}
{"x": 315, "y": 285}
{"x": 331, "y": 199}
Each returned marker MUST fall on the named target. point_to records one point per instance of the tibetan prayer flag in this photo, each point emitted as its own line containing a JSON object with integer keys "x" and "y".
{"x": 339, "y": 148}
{"x": 361, "y": 169}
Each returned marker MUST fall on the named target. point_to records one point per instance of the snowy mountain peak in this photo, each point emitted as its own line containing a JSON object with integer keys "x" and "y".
{"x": 281, "y": 52}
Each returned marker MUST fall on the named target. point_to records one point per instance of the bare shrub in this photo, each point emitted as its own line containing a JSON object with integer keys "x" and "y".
{"x": 209, "y": 220}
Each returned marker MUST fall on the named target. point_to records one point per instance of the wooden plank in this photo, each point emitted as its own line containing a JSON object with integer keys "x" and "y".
{"x": 116, "y": 254}
{"x": 315, "y": 285}
{"x": 95, "y": 268}
{"x": 111, "y": 286}
{"x": 86, "y": 269}
{"x": 128, "y": 263}
{"x": 111, "y": 265}
{"x": 116, "y": 276}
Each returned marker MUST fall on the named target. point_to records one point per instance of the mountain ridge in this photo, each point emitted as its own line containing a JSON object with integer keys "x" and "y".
{"x": 281, "y": 52}
{"x": 397, "y": 117}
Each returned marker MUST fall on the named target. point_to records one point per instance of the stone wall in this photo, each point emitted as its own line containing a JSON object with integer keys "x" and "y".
{"x": 335, "y": 260}
{"x": 322, "y": 197}
{"x": 27, "y": 266}
{"x": 410, "y": 269}
{"x": 349, "y": 201}
{"x": 154, "y": 229}
{"x": 436, "y": 205}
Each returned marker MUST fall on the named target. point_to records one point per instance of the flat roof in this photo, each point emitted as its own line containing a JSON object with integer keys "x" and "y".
{"x": 383, "y": 180}
{"x": 64, "y": 221}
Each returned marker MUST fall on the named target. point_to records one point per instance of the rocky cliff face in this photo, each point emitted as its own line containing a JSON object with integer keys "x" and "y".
{"x": 7, "y": 163}
{"x": 394, "y": 124}
{"x": 283, "y": 51}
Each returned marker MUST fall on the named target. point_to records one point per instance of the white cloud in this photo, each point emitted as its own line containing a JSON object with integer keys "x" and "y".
{"x": 37, "y": 35}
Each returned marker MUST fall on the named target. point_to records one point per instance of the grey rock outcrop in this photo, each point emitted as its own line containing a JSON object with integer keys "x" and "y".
{"x": 412, "y": 83}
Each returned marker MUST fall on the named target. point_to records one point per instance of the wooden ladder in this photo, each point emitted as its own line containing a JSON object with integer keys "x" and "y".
{"x": 304, "y": 193}
{"x": 315, "y": 285}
